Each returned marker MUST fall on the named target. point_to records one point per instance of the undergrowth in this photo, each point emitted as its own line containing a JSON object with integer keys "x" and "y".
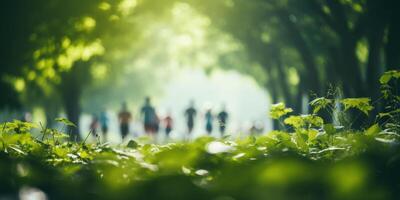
{"x": 309, "y": 158}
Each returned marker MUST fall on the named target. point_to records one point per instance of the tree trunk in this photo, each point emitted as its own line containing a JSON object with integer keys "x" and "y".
{"x": 392, "y": 48}
{"x": 282, "y": 78}
{"x": 353, "y": 85}
{"x": 72, "y": 86}
{"x": 274, "y": 97}
{"x": 73, "y": 111}
{"x": 310, "y": 77}
{"x": 375, "y": 41}
{"x": 51, "y": 113}
{"x": 349, "y": 69}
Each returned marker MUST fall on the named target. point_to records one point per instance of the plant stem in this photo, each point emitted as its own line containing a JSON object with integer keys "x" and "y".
{"x": 43, "y": 129}
{"x": 84, "y": 141}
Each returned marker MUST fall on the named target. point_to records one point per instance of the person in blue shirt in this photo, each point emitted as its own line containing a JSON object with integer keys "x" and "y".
{"x": 150, "y": 118}
{"x": 209, "y": 121}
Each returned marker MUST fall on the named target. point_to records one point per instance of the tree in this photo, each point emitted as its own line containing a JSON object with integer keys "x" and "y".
{"x": 54, "y": 54}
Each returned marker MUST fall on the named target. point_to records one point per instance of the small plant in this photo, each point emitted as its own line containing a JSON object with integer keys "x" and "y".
{"x": 390, "y": 116}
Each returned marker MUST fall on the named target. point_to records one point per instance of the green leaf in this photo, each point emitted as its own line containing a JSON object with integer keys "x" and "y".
{"x": 384, "y": 140}
{"x": 278, "y": 110}
{"x": 18, "y": 127}
{"x": 294, "y": 121}
{"x": 332, "y": 148}
{"x": 298, "y": 121}
{"x": 60, "y": 151}
{"x": 329, "y": 129}
{"x": 279, "y": 135}
{"x": 17, "y": 149}
{"x": 300, "y": 141}
{"x": 389, "y": 75}
{"x": 389, "y": 114}
{"x": 312, "y": 134}
{"x": 362, "y": 104}
{"x": 385, "y": 78}
{"x": 314, "y": 120}
{"x": 320, "y": 103}
{"x": 66, "y": 122}
{"x": 373, "y": 130}
{"x": 132, "y": 144}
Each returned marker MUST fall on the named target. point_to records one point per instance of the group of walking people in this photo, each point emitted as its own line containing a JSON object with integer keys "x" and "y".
{"x": 151, "y": 120}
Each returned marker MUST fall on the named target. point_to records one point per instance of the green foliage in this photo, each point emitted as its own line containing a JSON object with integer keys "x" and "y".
{"x": 272, "y": 165}
{"x": 320, "y": 103}
{"x": 65, "y": 122}
{"x": 17, "y": 127}
{"x": 362, "y": 104}
{"x": 278, "y": 110}
{"x": 132, "y": 144}
{"x": 390, "y": 93}
{"x": 389, "y": 75}
{"x": 373, "y": 130}
{"x": 390, "y": 115}
{"x": 304, "y": 121}
{"x": 311, "y": 160}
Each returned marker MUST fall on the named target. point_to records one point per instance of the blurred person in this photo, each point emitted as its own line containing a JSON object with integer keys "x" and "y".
{"x": 104, "y": 124}
{"x": 168, "y": 121}
{"x": 256, "y": 128}
{"x": 124, "y": 118}
{"x": 150, "y": 118}
{"x": 222, "y": 120}
{"x": 209, "y": 121}
{"x": 94, "y": 125}
{"x": 190, "y": 114}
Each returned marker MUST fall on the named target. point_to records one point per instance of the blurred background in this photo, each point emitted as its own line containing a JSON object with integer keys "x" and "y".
{"x": 75, "y": 59}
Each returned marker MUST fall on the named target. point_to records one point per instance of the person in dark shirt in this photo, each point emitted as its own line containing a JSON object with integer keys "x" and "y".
{"x": 168, "y": 124}
{"x": 209, "y": 121}
{"x": 124, "y": 118}
{"x": 150, "y": 118}
{"x": 190, "y": 114}
{"x": 222, "y": 120}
